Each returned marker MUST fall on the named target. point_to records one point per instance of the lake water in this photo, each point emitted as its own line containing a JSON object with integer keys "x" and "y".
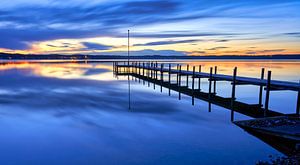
{"x": 77, "y": 113}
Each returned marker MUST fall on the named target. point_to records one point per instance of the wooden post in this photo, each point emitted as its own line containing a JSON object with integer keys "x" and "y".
{"x": 210, "y": 79}
{"x": 151, "y": 71}
{"x": 209, "y": 89}
{"x": 215, "y": 82}
{"x": 187, "y": 75}
{"x": 148, "y": 74}
{"x": 199, "y": 80}
{"x": 169, "y": 79}
{"x": 117, "y": 67}
{"x": 193, "y": 86}
{"x": 143, "y": 69}
{"x": 143, "y": 73}
{"x": 113, "y": 67}
{"x": 261, "y": 87}
{"x": 298, "y": 104}
{"x": 233, "y": 93}
{"x": 179, "y": 82}
{"x": 233, "y": 87}
{"x": 268, "y": 86}
{"x": 177, "y": 69}
{"x": 139, "y": 72}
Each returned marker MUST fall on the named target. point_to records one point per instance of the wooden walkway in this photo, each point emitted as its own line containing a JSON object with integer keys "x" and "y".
{"x": 154, "y": 74}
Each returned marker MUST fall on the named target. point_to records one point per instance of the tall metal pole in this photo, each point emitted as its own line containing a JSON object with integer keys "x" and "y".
{"x": 129, "y": 106}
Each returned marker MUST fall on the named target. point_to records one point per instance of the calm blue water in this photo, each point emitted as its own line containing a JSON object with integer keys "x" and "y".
{"x": 71, "y": 113}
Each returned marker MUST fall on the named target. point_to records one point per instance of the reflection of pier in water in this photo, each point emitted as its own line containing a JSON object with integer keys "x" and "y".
{"x": 151, "y": 73}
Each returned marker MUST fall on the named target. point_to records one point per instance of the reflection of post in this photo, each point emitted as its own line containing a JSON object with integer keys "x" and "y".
{"x": 261, "y": 87}
{"x": 267, "y": 93}
{"x": 154, "y": 68}
{"x": 179, "y": 83}
{"x": 233, "y": 92}
{"x": 169, "y": 79}
{"x": 129, "y": 106}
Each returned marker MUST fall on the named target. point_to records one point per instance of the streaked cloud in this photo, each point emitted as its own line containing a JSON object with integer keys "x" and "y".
{"x": 167, "y": 42}
{"x": 95, "y": 46}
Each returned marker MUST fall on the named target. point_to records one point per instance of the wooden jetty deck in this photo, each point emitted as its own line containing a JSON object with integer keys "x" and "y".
{"x": 152, "y": 73}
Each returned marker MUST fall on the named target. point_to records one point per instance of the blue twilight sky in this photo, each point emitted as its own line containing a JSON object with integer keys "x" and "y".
{"x": 165, "y": 27}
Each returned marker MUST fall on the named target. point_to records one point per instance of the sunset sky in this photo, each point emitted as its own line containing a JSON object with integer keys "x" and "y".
{"x": 158, "y": 27}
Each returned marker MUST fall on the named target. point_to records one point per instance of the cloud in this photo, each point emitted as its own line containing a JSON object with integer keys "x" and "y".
{"x": 167, "y": 42}
{"x": 182, "y": 34}
{"x": 95, "y": 46}
{"x": 293, "y": 34}
{"x": 221, "y": 40}
{"x": 196, "y": 52}
{"x": 266, "y": 51}
{"x": 218, "y": 48}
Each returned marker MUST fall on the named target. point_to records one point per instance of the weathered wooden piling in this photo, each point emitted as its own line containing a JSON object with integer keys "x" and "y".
{"x": 268, "y": 88}
{"x": 298, "y": 104}
{"x": 187, "y": 76}
{"x": 261, "y": 87}
{"x": 161, "y": 76}
{"x": 233, "y": 87}
{"x": 199, "y": 79}
{"x": 215, "y": 82}
{"x": 177, "y": 75}
{"x": 233, "y": 93}
{"x": 193, "y": 86}
{"x": 156, "y": 65}
{"x": 209, "y": 80}
{"x": 148, "y": 74}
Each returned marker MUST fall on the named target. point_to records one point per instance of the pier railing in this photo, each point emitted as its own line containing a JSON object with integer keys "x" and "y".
{"x": 154, "y": 72}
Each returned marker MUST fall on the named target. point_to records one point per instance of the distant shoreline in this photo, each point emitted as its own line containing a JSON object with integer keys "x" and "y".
{"x": 5, "y": 56}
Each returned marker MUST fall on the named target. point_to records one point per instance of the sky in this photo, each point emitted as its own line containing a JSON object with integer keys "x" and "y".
{"x": 157, "y": 27}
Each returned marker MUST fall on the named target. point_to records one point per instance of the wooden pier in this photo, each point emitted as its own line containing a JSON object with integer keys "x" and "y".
{"x": 152, "y": 72}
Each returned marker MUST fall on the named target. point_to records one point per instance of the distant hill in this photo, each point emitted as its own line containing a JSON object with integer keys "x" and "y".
{"x": 5, "y": 56}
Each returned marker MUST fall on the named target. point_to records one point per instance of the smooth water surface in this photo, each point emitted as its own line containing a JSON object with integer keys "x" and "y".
{"x": 77, "y": 113}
